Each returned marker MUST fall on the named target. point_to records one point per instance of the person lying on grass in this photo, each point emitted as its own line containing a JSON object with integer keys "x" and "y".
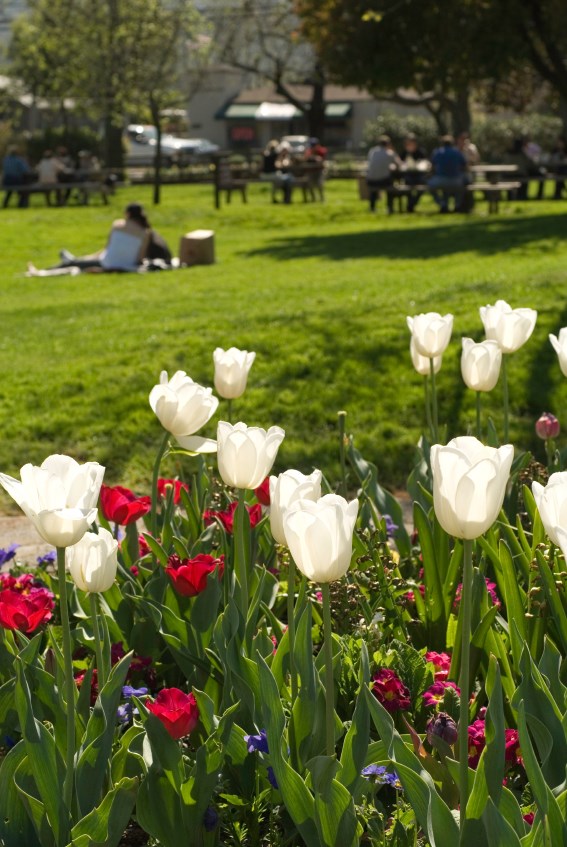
{"x": 131, "y": 240}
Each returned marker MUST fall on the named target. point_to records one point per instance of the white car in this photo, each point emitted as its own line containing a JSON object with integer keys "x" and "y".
{"x": 298, "y": 143}
{"x": 141, "y": 141}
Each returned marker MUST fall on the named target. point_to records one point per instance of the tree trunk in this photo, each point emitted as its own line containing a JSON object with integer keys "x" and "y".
{"x": 461, "y": 112}
{"x": 563, "y": 114}
{"x": 112, "y": 147}
{"x": 316, "y": 113}
{"x": 437, "y": 112}
{"x": 156, "y": 118}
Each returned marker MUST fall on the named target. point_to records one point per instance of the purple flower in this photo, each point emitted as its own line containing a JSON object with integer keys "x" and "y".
{"x": 129, "y": 691}
{"x": 272, "y": 778}
{"x": 210, "y": 818}
{"x": 381, "y": 775}
{"x": 47, "y": 559}
{"x": 7, "y": 554}
{"x": 391, "y": 527}
{"x": 125, "y": 713}
{"x": 257, "y": 743}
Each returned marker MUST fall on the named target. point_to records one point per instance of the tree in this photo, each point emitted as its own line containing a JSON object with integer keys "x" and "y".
{"x": 263, "y": 38}
{"x": 109, "y": 55}
{"x": 438, "y": 49}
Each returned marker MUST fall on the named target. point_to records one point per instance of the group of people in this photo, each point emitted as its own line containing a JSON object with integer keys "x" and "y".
{"x": 279, "y": 164}
{"x": 132, "y": 244}
{"x": 445, "y": 173}
{"x": 54, "y": 167}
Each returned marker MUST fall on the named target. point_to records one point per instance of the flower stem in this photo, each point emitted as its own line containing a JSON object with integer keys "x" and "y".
{"x": 428, "y": 406}
{"x": 242, "y": 572}
{"x": 329, "y": 682}
{"x": 100, "y": 664}
{"x": 291, "y": 625}
{"x": 434, "y": 402}
{"x": 69, "y": 681}
{"x": 478, "y": 427}
{"x": 342, "y": 416}
{"x": 505, "y": 399}
{"x": 155, "y": 477}
{"x": 465, "y": 612}
{"x": 229, "y": 410}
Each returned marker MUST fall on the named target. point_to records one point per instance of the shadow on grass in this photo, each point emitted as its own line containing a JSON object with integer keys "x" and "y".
{"x": 424, "y": 242}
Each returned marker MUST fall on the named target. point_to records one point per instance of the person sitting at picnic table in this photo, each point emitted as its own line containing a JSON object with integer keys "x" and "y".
{"x": 15, "y": 171}
{"x": 48, "y": 169}
{"x": 314, "y": 157}
{"x": 382, "y": 162}
{"x": 269, "y": 159}
{"x": 284, "y": 177}
{"x": 449, "y": 174}
{"x": 415, "y": 164}
{"x": 125, "y": 249}
{"x": 468, "y": 148}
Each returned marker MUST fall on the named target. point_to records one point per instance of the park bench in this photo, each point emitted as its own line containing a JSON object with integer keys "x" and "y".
{"x": 491, "y": 191}
{"x": 64, "y": 191}
{"x": 226, "y": 182}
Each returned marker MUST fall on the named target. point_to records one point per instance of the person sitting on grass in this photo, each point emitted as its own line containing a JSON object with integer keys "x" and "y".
{"x": 128, "y": 244}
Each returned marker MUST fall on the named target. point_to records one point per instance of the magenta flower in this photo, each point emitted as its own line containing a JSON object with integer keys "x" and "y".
{"x": 436, "y": 692}
{"x": 441, "y": 662}
{"x": 390, "y": 691}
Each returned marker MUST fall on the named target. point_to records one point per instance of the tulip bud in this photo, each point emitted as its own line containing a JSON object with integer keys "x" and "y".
{"x": 547, "y": 426}
{"x": 60, "y": 497}
{"x": 509, "y": 327}
{"x": 285, "y": 489}
{"x": 319, "y": 536}
{"x": 231, "y": 371}
{"x": 93, "y": 561}
{"x": 469, "y": 483}
{"x": 422, "y": 363}
{"x": 431, "y": 333}
{"x": 183, "y": 407}
{"x": 442, "y": 726}
{"x": 246, "y": 453}
{"x": 177, "y": 711}
{"x": 480, "y": 364}
{"x": 560, "y": 347}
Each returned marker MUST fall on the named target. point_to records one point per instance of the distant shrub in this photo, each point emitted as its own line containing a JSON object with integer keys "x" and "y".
{"x": 73, "y": 139}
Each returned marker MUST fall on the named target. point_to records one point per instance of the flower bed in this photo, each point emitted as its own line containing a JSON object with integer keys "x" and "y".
{"x": 269, "y": 662}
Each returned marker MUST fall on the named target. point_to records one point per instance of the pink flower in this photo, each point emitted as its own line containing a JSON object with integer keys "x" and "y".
{"x": 436, "y": 692}
{"x": 547, "y": 426}
{"x": 390, "y": 691}
{"x": 512, "y": 747}
{"x": 441, "y": 662}
{"x": 477, "y": 742}
{"x": 490, "y": 587}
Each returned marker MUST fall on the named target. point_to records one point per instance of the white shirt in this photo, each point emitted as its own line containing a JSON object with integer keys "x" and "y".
{"x": 48, "y": 169}
{"x": 380, "y": 163}
{"x": 123, "y": 251}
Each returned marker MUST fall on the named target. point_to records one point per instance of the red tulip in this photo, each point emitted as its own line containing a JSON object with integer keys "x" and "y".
{"x": 189, "y": 576}
{"x": 227, "y": 518}
{"x": 163, "y": 486}
{"x": 263, "y": 492}
{"x": 177, "y": 711}
{"x": 25, "y": 610}
{"x": 121, "y": 506}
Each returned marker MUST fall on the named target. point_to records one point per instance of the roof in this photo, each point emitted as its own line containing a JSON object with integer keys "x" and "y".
{"x": 303, "y": 93}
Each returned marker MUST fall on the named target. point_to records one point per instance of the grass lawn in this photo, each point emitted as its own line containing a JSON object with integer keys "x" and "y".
{"x": 320, "y": 292}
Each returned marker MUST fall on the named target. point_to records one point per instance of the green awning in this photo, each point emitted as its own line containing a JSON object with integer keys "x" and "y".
{"x": 241, "y": 111}
{"x": 338, "y": 110}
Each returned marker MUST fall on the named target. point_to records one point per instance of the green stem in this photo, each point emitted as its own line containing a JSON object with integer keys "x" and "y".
{"x": 342, "y": 416}
{"x": 329, "y": 682}
{"x": 465, "y": 613}
{"x": 69, "y": 681}
{"x": 102, "y": 675}
{"x": 505, "y": 399}
{"x": 434, "y": 402}
{"x": 428, "y": 406}
{"x": 291, "y": 626}
{"x": 155, "y": 477}
{"x": 478, "y": 427}
{"x": 243, "y": 564}
{"x": 229, "y": 410}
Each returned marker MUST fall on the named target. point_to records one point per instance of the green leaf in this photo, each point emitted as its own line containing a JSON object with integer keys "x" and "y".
{"x": 355, "y": 744}
{"x": 46, "y": 764}
{"x": 553, "y": 598}
{"x": 156, "y": 549}
{"x": 158, "y": 810}
{"x": 16, "y": 827}
{"x": 334, "y": 806}
{"x": 104, "y": 826}
{"x": 498, "y": 830}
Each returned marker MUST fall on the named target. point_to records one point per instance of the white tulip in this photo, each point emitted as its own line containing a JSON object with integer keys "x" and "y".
{"x": 93, "y": 562}
{"x": 551, "y": 502}
{"x": 285, "y": 489}
{"x": 231, "y": 371}
{"x": 560, "y": 347}
{"x": 480, "y": 364}
{"x": 431, "y": 333}
{"x": 319, "y": 536}
{"x": 246, "y": 453}
{"x": 183, "y": 407}
{"x": 469, "y": 483}
{"x": 509, "y": 327}
{"x": 422, "y": 363}
{"x": 59, "y": 497}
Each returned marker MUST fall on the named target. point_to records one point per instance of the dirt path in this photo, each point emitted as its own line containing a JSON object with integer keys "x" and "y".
{"x": 16, "y": 529}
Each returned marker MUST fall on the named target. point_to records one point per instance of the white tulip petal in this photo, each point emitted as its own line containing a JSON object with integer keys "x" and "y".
{"x": 197, "y": 444}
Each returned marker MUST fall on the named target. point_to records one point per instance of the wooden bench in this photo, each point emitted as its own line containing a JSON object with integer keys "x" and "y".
{"x": 64, "y": 191}
{"x": 227, "y": 183}
{"x": 492, "y": 192}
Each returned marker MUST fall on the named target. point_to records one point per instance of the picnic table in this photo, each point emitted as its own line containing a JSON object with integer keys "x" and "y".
{"x": 65, "y": 191}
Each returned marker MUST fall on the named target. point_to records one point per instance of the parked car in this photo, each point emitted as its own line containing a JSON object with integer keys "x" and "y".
{"x": 141, "y": 140}
{"x": 297, "y": 143}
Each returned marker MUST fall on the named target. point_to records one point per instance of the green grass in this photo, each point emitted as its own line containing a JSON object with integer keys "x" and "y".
{"x": 320, "y": 292}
